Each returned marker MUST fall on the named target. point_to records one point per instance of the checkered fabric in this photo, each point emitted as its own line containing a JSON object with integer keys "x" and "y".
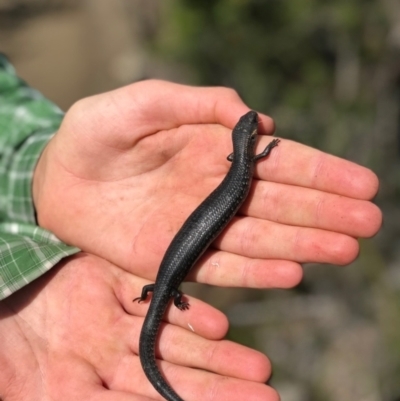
{"x": 27, "y": 122}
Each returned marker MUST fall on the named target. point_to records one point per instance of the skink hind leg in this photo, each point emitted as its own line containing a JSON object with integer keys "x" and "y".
{"x": 178, "y": 300}
{"x": 145, "y": 291}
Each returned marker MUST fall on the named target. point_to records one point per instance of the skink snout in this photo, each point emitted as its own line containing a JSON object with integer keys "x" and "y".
{"x": 250, "y": 117}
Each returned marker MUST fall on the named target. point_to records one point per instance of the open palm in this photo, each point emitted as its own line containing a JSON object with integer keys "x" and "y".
{"x": 73, "y": 335}
{"x": 127, "y": 167}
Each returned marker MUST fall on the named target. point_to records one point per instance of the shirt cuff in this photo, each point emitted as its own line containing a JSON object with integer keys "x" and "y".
{"x": 19, "y": 202}
{"x": 26, "y": 253}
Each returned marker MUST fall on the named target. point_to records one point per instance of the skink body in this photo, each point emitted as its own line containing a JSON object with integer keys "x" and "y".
{"x": 197, "y": 233}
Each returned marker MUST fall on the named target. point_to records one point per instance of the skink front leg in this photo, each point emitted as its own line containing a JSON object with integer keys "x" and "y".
{"x": 267, "y": 150}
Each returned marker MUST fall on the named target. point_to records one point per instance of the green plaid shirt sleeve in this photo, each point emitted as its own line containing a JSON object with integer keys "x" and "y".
{"x": 27, "y": 122}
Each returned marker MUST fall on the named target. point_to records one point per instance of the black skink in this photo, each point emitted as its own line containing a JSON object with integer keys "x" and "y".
{"x": 197, "y": 233}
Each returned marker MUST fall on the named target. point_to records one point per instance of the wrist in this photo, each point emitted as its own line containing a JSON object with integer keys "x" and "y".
{"x": 38, "y": 180}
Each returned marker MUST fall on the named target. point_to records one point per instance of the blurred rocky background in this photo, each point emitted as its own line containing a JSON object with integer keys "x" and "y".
{"x": 328, "y": 72}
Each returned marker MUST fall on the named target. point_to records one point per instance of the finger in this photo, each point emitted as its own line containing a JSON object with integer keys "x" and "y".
{"x": 210, "y": 387}
{"x": 296, "y": 164}
{"x": 255, "y": 238}
{"x": 186, "y": 348}
{"x": 166, "y": 105}
{"x": 194, "y": 384}
{"x": 226, "y": 269}
{"x": 299, "y": 206}
{"x": 222, "y": 357}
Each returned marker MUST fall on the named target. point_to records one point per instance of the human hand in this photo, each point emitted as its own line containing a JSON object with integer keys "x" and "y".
{"x": 73, "y": 335}
{"x": 127, "y": 167}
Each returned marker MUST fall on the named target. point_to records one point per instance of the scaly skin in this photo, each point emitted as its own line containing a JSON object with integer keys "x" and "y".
{"x": 197, "y": 233}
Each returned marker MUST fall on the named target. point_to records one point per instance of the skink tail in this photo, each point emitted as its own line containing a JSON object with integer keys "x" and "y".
{"x": 151, "y": 369}
{"x": 147, "y": 345}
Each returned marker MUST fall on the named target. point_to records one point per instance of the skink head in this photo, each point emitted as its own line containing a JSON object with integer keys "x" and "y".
{"x": 248, "y": 119}
{"x": 244, "y": 134}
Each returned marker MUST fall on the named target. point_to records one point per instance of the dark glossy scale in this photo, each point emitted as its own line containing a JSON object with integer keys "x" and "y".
{"x": 197, "y": 233}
